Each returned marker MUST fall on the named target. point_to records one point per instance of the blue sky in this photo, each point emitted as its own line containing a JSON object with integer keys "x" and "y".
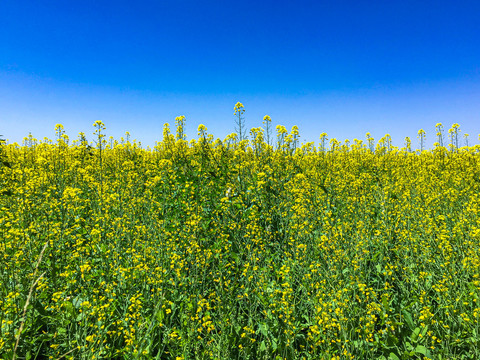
{"x": 340, "y": 67}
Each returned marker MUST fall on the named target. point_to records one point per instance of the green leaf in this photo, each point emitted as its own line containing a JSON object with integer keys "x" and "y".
{"x": 262, "y": 346}
{"x": 69, "y": 308}
{"x": 274, "y": 345}
{"x": 423, "y": 350}
{"x": 392, "y": 356}
{"x": 263, "y": 329}
{"x": 160, "y": 315}
{"x": 415, "y": 334}
{"x": 385, "y": 303}
{"x": 408, "y": 319}
{"x": 424, "y": 331}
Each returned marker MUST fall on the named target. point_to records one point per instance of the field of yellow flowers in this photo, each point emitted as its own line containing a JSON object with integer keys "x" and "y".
{"x": 238, "y": 249}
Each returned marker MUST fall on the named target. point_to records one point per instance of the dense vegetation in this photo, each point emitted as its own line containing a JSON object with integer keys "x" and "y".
{"x": 237, "y": 249}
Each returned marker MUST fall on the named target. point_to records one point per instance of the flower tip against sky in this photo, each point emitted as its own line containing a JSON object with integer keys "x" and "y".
{"x": 340, "y": 67}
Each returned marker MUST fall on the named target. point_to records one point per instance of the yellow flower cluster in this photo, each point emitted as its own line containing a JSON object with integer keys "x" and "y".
{"x": 224, "y": 249}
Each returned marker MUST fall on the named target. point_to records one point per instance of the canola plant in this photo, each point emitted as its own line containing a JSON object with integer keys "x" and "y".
{"x": 239, "y": 249}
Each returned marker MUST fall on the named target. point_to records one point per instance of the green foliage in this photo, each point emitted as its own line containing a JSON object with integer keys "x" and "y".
{"x": 221, "y": 250}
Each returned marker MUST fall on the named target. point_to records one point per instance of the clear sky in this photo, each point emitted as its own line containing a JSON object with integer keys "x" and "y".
{"x": 340, "y": 67}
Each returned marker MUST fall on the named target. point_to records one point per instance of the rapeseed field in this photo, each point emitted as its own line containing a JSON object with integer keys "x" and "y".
{"x": 259, "y": 248}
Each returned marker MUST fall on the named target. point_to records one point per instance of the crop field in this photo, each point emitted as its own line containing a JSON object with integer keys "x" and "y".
{"x": 238, "y": 249}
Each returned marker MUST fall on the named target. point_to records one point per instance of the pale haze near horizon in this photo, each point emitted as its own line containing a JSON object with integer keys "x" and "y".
{"x": 399, "y": 111}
